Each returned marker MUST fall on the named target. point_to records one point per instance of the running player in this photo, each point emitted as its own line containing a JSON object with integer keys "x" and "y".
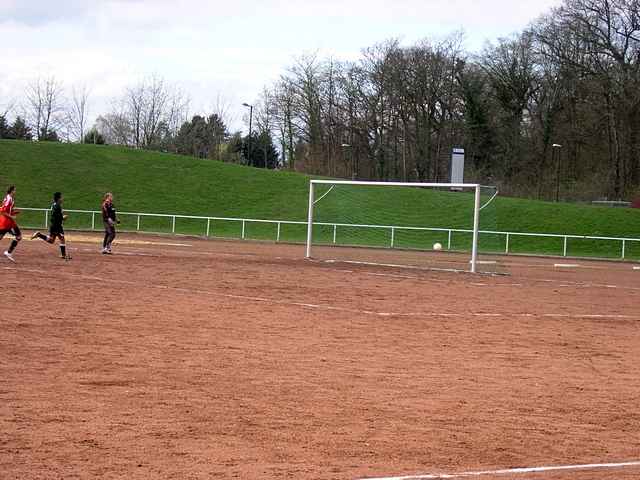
{"x": 110, "y": 220}
{"x": 56, "y": 229}
{"x": 8, "y": 223}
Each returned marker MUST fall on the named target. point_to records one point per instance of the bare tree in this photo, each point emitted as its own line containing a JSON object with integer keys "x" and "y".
{"x": 115, "y": 127}
{"x": 45, "y": 105}
{"x": 147, "y": 115}
{"x": 77, "y": 111}
{"x": 223, "y": 108}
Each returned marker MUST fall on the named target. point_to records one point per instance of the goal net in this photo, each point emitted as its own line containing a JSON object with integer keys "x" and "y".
{"x": 431, "y": 225}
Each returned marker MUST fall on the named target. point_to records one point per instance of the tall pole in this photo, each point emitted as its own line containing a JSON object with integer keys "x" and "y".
{"x": 250, "y": 127}
{"x": 556, "y": 151}
{"x": 250, "y": 107}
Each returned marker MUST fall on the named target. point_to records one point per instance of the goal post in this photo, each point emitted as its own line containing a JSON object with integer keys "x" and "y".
{"x": 315, "y": 197}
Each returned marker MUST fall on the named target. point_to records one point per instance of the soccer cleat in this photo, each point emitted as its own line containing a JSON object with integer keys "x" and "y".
{"x": 35, "y": 235}
{"x": 9, "y": 257}
{"x": 65, "y": 257}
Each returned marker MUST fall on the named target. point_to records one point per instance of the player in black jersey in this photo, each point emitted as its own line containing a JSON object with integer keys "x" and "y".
{"x": 56, "y": 229}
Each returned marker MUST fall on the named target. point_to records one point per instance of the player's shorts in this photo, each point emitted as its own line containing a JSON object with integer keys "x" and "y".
{"x": 15, "y": 231}
{"x": 56, "y": 231}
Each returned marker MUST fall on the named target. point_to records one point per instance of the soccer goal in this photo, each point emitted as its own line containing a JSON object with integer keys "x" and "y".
{"x": 438, "y": 223}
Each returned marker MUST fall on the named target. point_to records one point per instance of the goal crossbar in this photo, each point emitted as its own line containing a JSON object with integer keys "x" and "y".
{"x": 395, "y": 184}
{"x": 476, "y": 187}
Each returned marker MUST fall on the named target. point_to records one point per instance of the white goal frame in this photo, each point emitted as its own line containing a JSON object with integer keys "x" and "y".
{"x": 476, "y": 187}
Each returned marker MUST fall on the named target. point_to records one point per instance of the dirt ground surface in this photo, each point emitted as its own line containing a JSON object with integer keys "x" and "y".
{"x": 179, "y": 358}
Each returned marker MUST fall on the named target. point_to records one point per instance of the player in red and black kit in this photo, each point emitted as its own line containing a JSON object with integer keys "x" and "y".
{"x": 8, "y": 223}
{"x": 56, "y": 230}
{"x": 110, "y": 220}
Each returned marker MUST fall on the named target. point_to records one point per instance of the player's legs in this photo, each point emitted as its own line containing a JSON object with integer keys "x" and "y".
{"x": 17, "y": 236}
{"x": 112, "y": 237}
{"x": 109, "y": 235}
{"x": 63, "y": 246}
{"x": 46, "y": 238}
{"x": 51, "y": 239}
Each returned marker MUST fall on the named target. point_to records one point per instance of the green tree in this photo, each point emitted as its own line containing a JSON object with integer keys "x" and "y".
{"x": 4, "y": 127}
{"x": 263, "y": 153}
{"x": 19, "y": 130}
{"x": 48, "y": 135}
{"x": 95, "y": 137}
{"x": 202, "y": 137}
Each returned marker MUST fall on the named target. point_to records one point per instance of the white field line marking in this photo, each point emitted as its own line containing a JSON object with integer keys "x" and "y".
{"x": 124, "y": 241}
{"x": 636, "y": 268}
{"x": 326, "y": 307}
{"x": 563, "y": 283}
{"x": 513, "y": 471}
{"x": 393, "y": 265}
{"x": 566, "y": 265}
{"x": 573, "y": 284}
{"x": 391, "y": 275}
{"x": 118, "y": 253}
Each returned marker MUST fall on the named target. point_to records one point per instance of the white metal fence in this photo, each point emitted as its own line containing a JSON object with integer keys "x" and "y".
{"x": 620, "y": 251}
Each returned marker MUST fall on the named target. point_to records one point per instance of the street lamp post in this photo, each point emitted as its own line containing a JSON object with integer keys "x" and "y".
{"x": 556, "y": 151}
{"x": 250, "y": 107}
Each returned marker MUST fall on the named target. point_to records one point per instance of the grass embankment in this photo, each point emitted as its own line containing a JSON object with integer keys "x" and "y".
{"x": 163, "y": 183}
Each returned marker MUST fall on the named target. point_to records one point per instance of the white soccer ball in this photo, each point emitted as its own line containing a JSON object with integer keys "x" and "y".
{"x": 437, "y": 247}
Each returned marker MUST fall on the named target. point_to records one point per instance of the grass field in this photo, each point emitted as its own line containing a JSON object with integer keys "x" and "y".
{"x": 164, "y": 183}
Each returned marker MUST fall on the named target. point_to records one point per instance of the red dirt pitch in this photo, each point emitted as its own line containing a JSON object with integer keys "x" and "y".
{"x": 179, "y": 358}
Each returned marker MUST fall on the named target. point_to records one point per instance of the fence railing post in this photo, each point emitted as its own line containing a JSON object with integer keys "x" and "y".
{"x": 393, "y": 237}
{"x": 173, "y": 226}
{"x": 138, "y": 224}
{"x": 506, "y": 244}
{"x": 278, "y": 233}
{"x": 208, "y": 226}
{"x": 93, "y": 220}
{"x": 564, "y": 249}
{"x": 449, "y": 235}
{"x": 624, "y": 245}
{"x": 46, "y": 218}
{"x": 243, "y": 227}
{"x": 335, "y": 232}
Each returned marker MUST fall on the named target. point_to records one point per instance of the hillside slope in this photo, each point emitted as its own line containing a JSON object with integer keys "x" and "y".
{"x": 164, "y": 183}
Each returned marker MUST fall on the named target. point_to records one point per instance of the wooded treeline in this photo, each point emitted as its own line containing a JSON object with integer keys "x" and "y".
{"x": 571, "y": 79}
{"x": 551, "y": 111}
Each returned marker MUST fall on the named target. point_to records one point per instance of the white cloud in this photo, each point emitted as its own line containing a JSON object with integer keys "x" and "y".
{"x": 212, "y": 47}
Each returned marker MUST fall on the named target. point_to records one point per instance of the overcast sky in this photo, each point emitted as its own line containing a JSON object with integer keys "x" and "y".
{"x": 231, "y": 48}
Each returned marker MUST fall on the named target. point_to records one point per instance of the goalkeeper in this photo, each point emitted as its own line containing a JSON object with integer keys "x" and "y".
{"x": 110, "y": 221}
